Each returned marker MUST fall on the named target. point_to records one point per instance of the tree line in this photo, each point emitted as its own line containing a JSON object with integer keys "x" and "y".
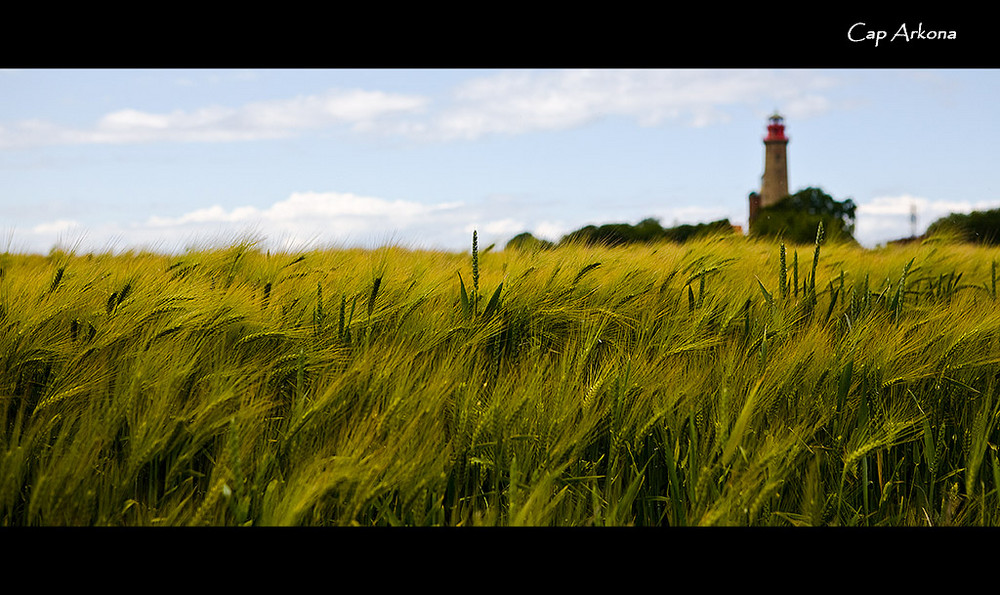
{"x": 792, "y": 220}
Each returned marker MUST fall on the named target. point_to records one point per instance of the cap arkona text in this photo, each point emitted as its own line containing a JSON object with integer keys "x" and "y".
{"x": 860, "y": 32}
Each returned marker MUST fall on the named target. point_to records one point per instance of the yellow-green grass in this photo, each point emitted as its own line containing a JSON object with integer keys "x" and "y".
{"x": 693, "y": 384}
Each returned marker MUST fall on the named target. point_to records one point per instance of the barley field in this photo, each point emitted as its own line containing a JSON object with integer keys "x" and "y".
{"x": 720, "y": 382}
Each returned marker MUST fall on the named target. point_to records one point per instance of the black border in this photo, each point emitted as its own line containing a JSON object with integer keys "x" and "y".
{"x": 496, "y": 36}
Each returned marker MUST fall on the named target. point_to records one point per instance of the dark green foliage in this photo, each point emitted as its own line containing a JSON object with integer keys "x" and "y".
{"x": 683, "y": 233}
{"x": 646, "y": 231}
{"x": 977, "y": 226}
{"x": 797, "y": 216}
{"x": 526, "y": 241}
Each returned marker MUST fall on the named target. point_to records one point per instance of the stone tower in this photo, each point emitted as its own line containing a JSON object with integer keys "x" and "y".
{"x": 774, "y": 182}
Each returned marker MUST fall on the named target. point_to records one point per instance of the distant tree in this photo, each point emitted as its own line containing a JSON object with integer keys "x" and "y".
{"x": 795, "y": 218}
{"x": 616, "y": 234}
{"x": 683, "y": 233}
{"x": 646, "y": 231}
{"x": 977, "y": 226}
{"x": 526, "y": 241}
{"x": 584, "y": 235}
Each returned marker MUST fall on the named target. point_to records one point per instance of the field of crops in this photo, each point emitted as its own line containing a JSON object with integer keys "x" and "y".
{"x": 723, "y": 381}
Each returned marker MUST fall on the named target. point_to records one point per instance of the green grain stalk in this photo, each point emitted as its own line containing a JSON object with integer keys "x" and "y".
{"x": 376, "y": 284}
{"x": 318, "y": 317}
{"x": 897, "y": 301}
{"x": 833, "y": 302}
{"x": 56, "y": 279}
{"x": 783, "y": 274}
{"x": 494, "y": 304}
{"x": 463, "y": 297}
{"x": 701, "y": 290}
{"x": 815, "y": 263}
{"x": 767, "y": 295}
{"x": 795, "y": 272}
{"x": 267, "y": 296}
{"x": 993, "y": 279}
{"x": 584, "y": 271}
{"x": 475, "y": 273}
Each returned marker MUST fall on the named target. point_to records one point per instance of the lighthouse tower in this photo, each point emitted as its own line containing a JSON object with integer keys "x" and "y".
{"x": 774, "y": 182}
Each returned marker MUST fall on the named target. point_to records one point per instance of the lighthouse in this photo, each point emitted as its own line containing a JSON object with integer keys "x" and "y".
{"x": 774, "y": 182}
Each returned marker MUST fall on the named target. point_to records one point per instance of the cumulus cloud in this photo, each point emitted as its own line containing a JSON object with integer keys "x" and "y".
{"x": 305, "y": 220}
{"x": 302, "y": 220}
{"x": 332, "y": 216}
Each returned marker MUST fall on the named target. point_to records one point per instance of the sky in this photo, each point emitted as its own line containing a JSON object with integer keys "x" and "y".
{"x": 96, "y": 160}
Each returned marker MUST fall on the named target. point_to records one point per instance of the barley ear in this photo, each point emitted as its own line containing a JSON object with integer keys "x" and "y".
{"x": 475, "y": 272}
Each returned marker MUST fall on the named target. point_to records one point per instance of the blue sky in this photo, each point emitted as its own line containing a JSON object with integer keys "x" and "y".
{"x": 99, "y": 160}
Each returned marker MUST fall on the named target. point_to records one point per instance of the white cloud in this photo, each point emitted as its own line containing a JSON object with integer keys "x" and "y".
{"x": 214, "y": 214}
{"x": 501, "y": 227}
{"x": 306, "y": 220}
{"x": 311, "y": 213}
{"x": 55, "y": 227}
{"x": 325, "y": 217}
{"x": 526, "y": 101}
{"x": 693, "y": 214}
{"x": 258, "y": 120}
{"x": 508, "y": 102}
{"x": 552, "y": 231}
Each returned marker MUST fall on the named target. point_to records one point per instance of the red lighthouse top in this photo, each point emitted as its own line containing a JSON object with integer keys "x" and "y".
{"x": 776, "y": 129}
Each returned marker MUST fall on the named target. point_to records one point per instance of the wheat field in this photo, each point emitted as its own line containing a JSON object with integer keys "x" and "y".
{"x": 720, "y": 382}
